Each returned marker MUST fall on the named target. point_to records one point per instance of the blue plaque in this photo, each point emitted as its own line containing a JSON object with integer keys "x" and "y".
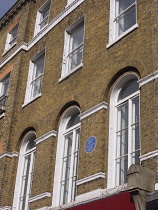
{"x": 90, "y": 144}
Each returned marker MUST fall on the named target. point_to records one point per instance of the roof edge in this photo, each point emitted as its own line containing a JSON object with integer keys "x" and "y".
{"x": 12, "y": 12}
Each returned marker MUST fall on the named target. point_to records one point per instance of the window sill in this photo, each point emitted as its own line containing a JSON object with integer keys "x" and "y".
{"x": 68, "y": 4}
{"x": 5, "y": 52}
{"x": 70, "y": 73}
{"x": 121, "y": 36}
{"x": 2, "y": 115}
{"x": 31, "y": 100}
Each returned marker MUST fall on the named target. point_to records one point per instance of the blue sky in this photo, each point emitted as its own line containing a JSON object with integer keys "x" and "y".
{"x": 5, "y": 5}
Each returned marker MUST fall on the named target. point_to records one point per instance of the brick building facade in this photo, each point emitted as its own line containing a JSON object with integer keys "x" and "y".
{"x": 79, "y": 105}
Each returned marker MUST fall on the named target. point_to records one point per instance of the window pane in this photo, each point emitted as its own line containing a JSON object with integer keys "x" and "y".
{"x": 43, "y": 23}
{"x": 122, "y": 132}
{"x": 128, "y": 89}
{"x": 135, "y": 124}
{"x": 76, "y": 57}
{"x": 135, "y": 131}
{"x": 135, "y": 110}
{"x": 74, "y": 178}
{"x": 67, "y": 157}
{"x": 45, "y": 13}
{"x": 66, "y": 169}
{"x": 75, "y": 119}
{"x": 24, "y": 185}
{"x": 124, "y": 4}
{"x": 31, "y": 144}
{"x": 77, "y": 37}
{"x": 3, "y": 100}
{"x": 14, "y": 33}
{"x": 122, "y": 117}
{"x": 44, "y": 17}
{"x": 122, "y": 144}
{"x": 64, "y": 192}
{"x": 39, "y": 67}
{"x": 68, "y": 145}
{"x": 5, "y": 85}
{"x": 126, "y": 20}
{"x": 36, "y": 87}
{"x": 76, "y": 48}
{"x": 122, "y": 168}
{"x": 136, "y": 157}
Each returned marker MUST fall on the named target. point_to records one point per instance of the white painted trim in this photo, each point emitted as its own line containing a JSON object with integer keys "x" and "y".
{"x": 46, "y": 136}
{"x": 43, "y": 32}
{"x": 43, "y": 208}
{"x": 156, "y": 186}
{"x": 6, "y": 208}
{"x": 148, "y": 79}
{"x": 2, "y": 115}
{"x": 69, "y": 2}
{"x": 9, "y": 154}
{"x": 91, "y": 196}
{"x": 94, "y": 109}
{"x": 149, "y": 155}
{"x": 38, "y": 197}
{"x": 22, "y": 46}
{"x": 90, "y": 178}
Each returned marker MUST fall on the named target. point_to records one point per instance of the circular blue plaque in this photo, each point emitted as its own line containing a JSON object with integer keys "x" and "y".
{"x": 90, "y": 144}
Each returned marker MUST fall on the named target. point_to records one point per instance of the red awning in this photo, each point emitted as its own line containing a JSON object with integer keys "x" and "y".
{"x": 121, "y": 201}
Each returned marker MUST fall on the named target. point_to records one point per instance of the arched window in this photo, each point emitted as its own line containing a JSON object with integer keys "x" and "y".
{"x": 25, "y": 172}
{"x": 67, "y": 158}
{"x": 124, "y": 140}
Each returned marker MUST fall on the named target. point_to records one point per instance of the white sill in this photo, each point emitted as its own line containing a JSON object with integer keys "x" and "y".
{"x": 70, "y": 4}
{"x": 31, "y": 100}
{"x": 122, "y": 35}
{"x": 8, "y": 49}
{"x": 2, "y": 115}
{"x": 70, "y": 73}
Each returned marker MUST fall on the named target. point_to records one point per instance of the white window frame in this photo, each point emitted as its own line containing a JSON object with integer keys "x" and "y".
{"x": 3, "y": 96}
{"x": 112, "y": 148}
{"x": 44, "y": 21}
{"x": 31, "y": 79}
{"x": 113, "y": 37}
{"x": 66, "y": 71}
{"x": 59, "y": 167}
{"x": 31, "y": 135}
{"x": 11, "y": 41}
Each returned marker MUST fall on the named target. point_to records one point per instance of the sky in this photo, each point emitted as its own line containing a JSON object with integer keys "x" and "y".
{"x": 5, "y": 5}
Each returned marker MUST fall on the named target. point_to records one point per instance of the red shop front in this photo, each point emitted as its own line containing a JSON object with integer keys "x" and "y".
{"x": 121, "y": 201}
